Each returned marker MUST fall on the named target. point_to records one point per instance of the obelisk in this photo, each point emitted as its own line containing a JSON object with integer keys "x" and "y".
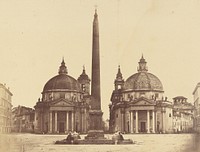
{"x": 95, "y": 113}
{"x": 95, "y": 90}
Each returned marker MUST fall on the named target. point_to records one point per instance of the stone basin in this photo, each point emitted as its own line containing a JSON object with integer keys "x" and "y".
{"x": 95, "y": 141}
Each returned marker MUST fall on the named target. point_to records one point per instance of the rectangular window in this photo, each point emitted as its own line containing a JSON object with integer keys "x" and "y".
{"x": 62, "y": 95}
{"x": 156, "y": 95}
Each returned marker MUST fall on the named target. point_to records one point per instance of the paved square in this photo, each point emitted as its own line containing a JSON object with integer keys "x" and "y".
{"x": 144, "y": 143}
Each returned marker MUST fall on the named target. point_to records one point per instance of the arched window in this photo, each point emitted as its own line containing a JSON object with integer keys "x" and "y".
{"x": 119, "y": 86}
{"x": 83, "y": 87}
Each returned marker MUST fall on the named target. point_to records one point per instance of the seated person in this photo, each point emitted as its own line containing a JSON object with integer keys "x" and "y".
{"x": 76, "y": 136}
{"x": 70, "y": 138}
{"x": 114, "y": 137}
{"x": 117, "y": 136}
{"x": 120, "y": 136}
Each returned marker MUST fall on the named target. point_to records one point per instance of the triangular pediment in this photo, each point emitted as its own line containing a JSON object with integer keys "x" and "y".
{"x": 62, "y": 102}
{"x": 143, "y": 102}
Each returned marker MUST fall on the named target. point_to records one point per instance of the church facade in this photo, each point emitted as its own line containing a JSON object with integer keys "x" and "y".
{"x": 64, "y": 104}
{"x": 138, "y": 104}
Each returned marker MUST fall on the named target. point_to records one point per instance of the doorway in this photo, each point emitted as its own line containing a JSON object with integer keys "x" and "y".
{"x": 143, "y": 126}
{"x": 158, "y": 128}
{"x": 61, "y": 127}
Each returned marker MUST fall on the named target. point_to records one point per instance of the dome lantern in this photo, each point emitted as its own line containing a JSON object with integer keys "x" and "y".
{"x": 63, "y": 68}
{"x": 142, "y": 65}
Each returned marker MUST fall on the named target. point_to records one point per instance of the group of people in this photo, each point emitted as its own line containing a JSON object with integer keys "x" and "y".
{"x": 73, "y": 136}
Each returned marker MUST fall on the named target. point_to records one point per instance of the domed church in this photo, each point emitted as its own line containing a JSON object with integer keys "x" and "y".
{"x": 64, "y": 104}
{"x": 138, "y": 104}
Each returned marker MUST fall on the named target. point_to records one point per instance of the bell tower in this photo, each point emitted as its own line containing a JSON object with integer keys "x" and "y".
{"x": 84, "y": 82}
{"x": 119, "y": 81}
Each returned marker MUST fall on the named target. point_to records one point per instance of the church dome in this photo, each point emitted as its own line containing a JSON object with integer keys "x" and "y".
{"x": 143, "y": 80}
{"x": 62, "y": 81}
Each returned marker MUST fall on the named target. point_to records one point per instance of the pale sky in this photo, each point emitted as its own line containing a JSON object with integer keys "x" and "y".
{"x": 36, "y": 34}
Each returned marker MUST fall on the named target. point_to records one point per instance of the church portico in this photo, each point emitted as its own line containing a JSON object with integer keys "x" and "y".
{"x": 61, "y": 121}
{"x": 142, "y": 121}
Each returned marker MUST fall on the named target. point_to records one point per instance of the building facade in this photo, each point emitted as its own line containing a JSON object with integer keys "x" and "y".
{"x": 182, "y": 115}
{"x": 23, "y": 119}
{"x": 5, "y": 109}
{"x": 138, "y": 104}
{"x": 64, "y": 104}
{"x": 196, "y": 95}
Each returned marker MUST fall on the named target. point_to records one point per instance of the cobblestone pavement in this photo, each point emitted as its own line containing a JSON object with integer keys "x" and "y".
{"x": 143, "y": 143}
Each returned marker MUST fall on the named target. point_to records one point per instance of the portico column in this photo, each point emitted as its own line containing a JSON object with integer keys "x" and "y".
{"x": 156, "y": 127}
{"x": 122, "y": 120}
{"x": 148, "y": 121}
{"x": 153, "y": 121}
{"x": 67, "y": 121}
{"x": 72, "y": 121}
{"x": 163, "y": 121}
{"x": 55, "y": 121}
{"x": 131, "y": 122}
{"x": 50, "y": 122}
{"x": 85, "y": 127}
{"x": 82, "y": 119}
{"x": 136, "y": 121}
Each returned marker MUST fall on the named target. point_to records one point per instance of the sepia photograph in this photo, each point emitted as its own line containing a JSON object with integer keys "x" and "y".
{"x": 100, "y": 75}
